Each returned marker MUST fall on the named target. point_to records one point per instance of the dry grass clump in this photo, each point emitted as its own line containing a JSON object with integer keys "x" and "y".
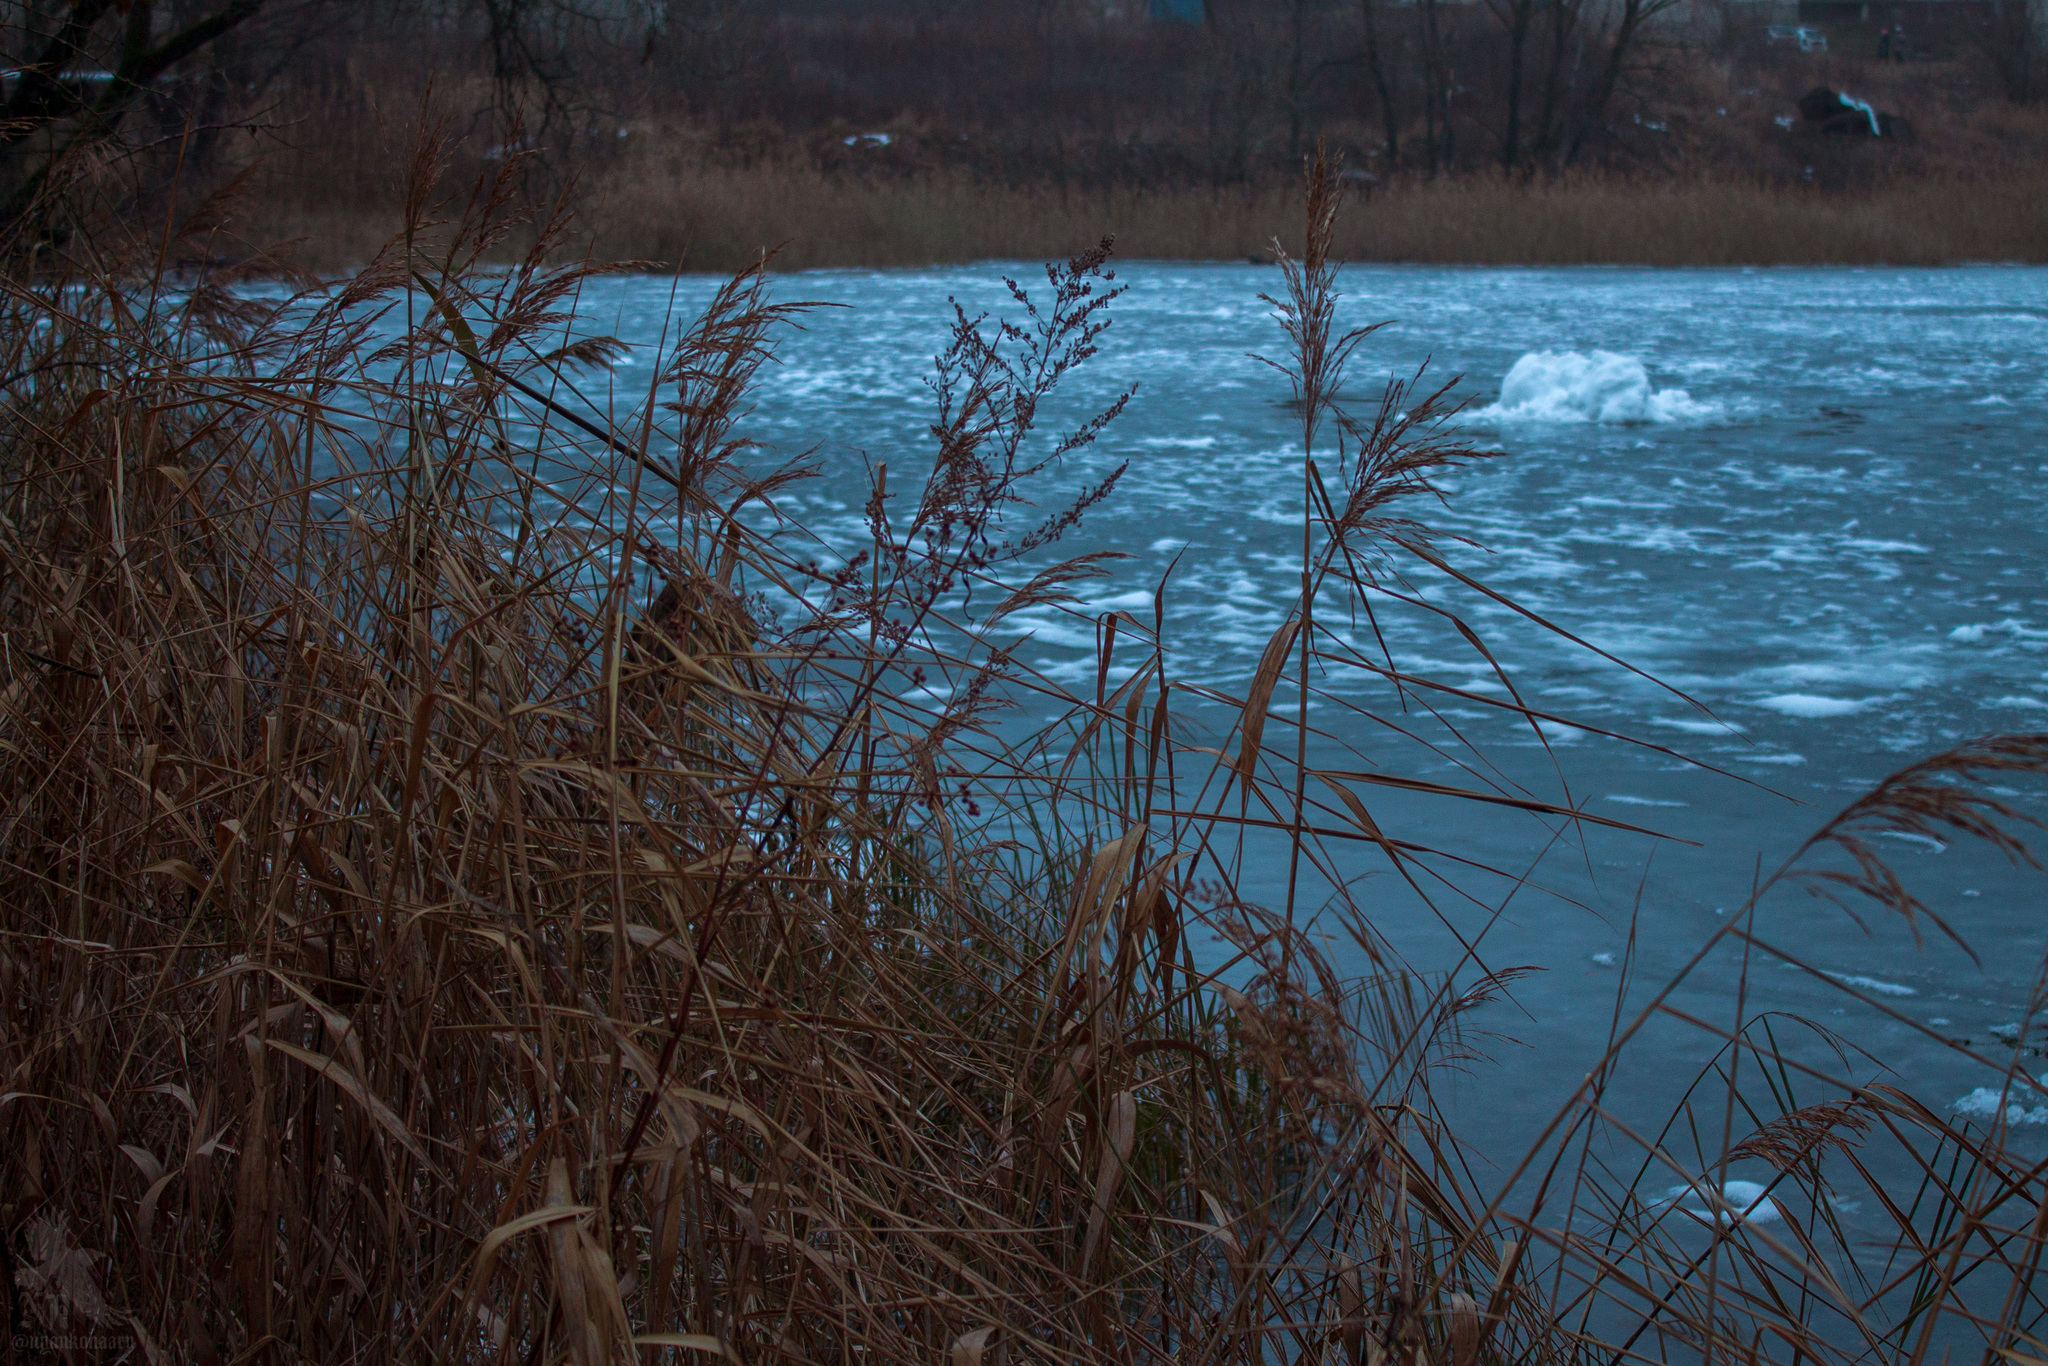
{"x": 478, "y": 888}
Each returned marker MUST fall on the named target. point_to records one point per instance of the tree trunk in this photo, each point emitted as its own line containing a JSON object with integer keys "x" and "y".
{"x": 1633, "y": 12}
{"x": 1564, "y": 20}
{"x": 1517, "y": 19}
{"x": 1436, "y": 104}
{"x": 1297, "y": 83}
{"x": 1368, "y": 9}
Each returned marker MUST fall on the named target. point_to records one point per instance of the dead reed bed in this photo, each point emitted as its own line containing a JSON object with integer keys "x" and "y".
{"x": 721, "y": 218}
{"x": 478, "y": 889}
{"x": 675, "y": 211}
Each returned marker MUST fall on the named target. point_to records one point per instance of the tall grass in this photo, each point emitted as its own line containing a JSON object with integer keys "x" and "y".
{"x": 480, "y": 886}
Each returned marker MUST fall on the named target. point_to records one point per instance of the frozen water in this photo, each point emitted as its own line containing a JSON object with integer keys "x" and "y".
{"x": 1829, "y": 545}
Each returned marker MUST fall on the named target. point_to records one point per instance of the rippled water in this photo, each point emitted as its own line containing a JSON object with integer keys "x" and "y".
{"x": 1810, "y": 499}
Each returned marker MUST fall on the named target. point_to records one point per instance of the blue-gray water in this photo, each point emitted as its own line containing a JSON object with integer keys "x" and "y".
{"x": 1832, "y": 540}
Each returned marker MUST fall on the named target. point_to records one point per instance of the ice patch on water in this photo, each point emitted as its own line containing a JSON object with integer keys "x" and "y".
{"x": 1566, "y": 386}
{"x": 1738, "y": 1201}
{"x": 1627, "y": 800}
{"x": 1058, "y": 633}
{"x": 2016, "y": 702}
{"x": 1810, "y": 707}
{"x": 1993, "y": 401}
{"x": 1885, "y": 547}
{"x": 1694, "y": 726}
{"x": 1976, "y": 632}
{"x": 1850, "y": 979}
{"x": 1124, "y": 602}
{"x": 1983, "y": 1103}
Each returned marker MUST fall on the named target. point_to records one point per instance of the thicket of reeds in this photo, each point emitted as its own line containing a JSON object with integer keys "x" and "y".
{"x": 721, "y": 219}
{"x": 676, "y": 212}
{"x": 479, "y": 887}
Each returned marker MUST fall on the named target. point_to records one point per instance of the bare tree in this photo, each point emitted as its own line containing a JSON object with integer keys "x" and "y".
{"x": 1515, "y": 16}
{"x": 1630, "y": 19}
{"x": 52, "y": 50}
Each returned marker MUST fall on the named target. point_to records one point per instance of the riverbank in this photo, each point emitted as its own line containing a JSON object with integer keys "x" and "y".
{"x": 473, "y": 890}
{"x": 720, "y": 218}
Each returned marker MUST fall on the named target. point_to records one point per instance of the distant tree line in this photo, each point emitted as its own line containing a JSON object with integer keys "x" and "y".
{"x": 1060, "y": 91}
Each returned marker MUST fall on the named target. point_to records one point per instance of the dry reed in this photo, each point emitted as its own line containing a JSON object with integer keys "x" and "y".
{"x": 722, "y": 218}
{"x": 473, "y": 893}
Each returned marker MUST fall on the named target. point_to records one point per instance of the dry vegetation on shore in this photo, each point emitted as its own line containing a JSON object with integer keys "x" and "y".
{"x": 473, "y": 895}
{"x": 720, "y": 219}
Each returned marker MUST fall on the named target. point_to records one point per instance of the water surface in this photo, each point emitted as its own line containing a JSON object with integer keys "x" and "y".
{"x": 1811, "y": 500}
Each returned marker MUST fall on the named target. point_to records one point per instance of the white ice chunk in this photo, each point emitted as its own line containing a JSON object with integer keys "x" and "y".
{"x": 1741, "y": 1201}
{"x": 1566, "y": 386}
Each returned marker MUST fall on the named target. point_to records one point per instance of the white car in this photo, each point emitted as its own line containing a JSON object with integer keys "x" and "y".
{"x": 1806, "y": 39}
